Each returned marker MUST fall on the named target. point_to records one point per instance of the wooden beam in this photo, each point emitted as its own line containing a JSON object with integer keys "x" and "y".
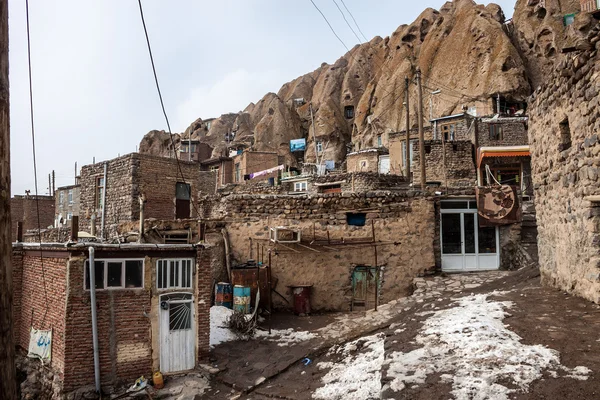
{"x": 8, "y": 385}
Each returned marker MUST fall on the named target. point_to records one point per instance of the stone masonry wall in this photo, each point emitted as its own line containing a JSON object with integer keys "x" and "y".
{"x": 370, "y": 159}
{"x": 563, "y": 135}
{"x": 24, "y": 209}
{"x": 402, "y": 218}
{"x": 461, "y": 170}
{"x": 513, "y": 134}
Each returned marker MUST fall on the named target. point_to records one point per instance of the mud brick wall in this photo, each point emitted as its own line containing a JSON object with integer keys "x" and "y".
{"x": 24, "y": 209}
{"x": 460, "y": 165}
{"x": 370, "y": 157}
{"x": 40, "y": 298}
{"x": 401, "y": 218}
{"x": 513, "y": 134}
{"x": 565, "y": 157}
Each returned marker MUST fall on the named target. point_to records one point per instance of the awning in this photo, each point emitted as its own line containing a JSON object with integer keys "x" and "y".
{"x": 502, "y": 151}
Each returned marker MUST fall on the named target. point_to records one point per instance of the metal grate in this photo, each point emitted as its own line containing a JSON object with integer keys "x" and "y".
{"x": 180, "y": 316}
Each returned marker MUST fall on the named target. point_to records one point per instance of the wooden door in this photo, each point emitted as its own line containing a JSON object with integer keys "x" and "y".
{"x": 177, "y": 332}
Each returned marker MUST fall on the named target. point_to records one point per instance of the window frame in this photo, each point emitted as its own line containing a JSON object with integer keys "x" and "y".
{"x": 496, "y": 132}
{"x": 179, "y": 273}
{"x": 319, "y": 146}
{"x": 70, "y": 196}
{"x": 303, "y": 185}
{"x": 379, "y": 141}
{"x": 349, "y": 112}
{"x": 99, "y": 194}
{"x": 61, "y": 197}
{"x": 123, "y": 272}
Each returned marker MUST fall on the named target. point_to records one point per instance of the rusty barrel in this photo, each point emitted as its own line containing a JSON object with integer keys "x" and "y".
{"x": 224, "y": 295}
{"x": 241, "y": 299}
{"x": 301, "y": 299}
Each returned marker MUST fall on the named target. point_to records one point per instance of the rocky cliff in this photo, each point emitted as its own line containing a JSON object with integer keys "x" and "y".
{"x": 467, "y": 51}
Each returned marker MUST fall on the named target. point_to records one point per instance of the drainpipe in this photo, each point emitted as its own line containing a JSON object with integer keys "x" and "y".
{"x": 104, "y": 199}
{"x": 94, "y": 319}
{"x": 93, "y": 225}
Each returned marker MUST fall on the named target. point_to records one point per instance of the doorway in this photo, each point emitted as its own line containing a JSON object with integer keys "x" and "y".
{"x": 465, "y": 245}
{"x": 182, "y": 200}
{"x": 365, "y": 283}
{"x": 177, "y": 332}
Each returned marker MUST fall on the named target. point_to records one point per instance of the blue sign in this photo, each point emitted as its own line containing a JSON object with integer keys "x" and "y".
{"x": 297, "y": 145}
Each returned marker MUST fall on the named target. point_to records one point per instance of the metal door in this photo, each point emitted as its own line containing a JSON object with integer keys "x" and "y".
{"x": 177, "y": 332}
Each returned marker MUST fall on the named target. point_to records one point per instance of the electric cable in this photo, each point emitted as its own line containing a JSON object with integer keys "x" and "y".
{"x": 35, "y": 179}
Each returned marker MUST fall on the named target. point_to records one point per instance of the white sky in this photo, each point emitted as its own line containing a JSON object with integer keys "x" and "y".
{"x": 94, "y": 94}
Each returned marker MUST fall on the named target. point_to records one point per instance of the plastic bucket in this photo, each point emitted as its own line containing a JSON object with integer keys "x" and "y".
{"x": 241, "y": 299}
{"x": 224, "y": 295}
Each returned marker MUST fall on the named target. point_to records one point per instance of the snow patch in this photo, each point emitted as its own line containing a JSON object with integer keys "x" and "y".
{"x": 358, "y": 375}
{"x": 474, "y": 349}
{"x": 219, "y": 333}
{"x": 285, "y": 337}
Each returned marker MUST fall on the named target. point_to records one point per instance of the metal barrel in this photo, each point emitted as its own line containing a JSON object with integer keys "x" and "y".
{"x": 224, "y": 295}
{"x": 241, "y": 299}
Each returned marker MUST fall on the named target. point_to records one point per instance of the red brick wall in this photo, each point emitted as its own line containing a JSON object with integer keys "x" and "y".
{"x": 32, "y": 307}
{"x": 204, "y": 290}
{"x": 24, "y": 209}
{"x": 123, "y": 332}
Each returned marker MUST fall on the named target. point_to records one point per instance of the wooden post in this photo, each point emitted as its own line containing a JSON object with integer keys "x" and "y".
{"x": 269, "y": 290}
{"x": 408, "y": 146}
{"x": 421, "y": 134}
{"x": 8, "y": 381}
{"x": 74, "y": 228}
{"x": 376, "y": 279}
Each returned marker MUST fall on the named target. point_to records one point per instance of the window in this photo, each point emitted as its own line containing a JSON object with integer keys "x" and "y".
{"x": 70, "y": 196}
{"x": 319, "y": 147}
{"x": 356, "y": 219}
{"x": 208, "y": 123}
{"x": 412, "y": 151}
{"x": 379, "y": 141}
{"x": 427, "y": 148}
{"x": 349, "y": 112}
{"x": 565, "y": 135}
{"x": 237, "y": 172}
{"x": 61, "y": 197}
{"x": 116, "y": 274}
{"x": 300, "y": 186}
{"x": 363, "y": 164}
{"x": 495, "y": 132}
{"x": 180, "y": 316}
{"x": 448, "y": 131}
{"x": 69, "y": 216}
{"x": 173, "y": 274}
{"x": 214, "y": 168}
{"x": 99, "y": 192}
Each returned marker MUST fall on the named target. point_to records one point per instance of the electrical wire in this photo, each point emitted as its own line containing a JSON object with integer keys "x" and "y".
{"x": 347, "y": 23}
{"x": 162, "y": 104}
{"x": 356, "y": 23}
{"x": 35, "y": 178}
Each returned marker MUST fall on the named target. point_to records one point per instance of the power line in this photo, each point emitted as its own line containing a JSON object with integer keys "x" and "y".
{"x": 35, "y": 180}
{"x": 356, "y": 23}
{"x": 347, "y": 23}
{"x": 330, "y": 27}
{"x": 162, "y": 104}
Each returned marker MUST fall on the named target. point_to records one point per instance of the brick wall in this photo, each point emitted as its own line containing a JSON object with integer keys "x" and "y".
{"x": 24, "y": 209}
{"x": 460, "y": 165}
{"x": 40, "y": 298}
{"x": 513, "y": 133}
{"x": 565, "y": 154}
{"x": 204, "y": 273}
{"x": 254, "y": 161}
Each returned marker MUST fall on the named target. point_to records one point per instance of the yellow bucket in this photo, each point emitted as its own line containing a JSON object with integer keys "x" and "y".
{"x": 157, "y": 378}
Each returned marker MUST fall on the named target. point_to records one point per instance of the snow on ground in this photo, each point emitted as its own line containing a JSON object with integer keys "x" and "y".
{"x": 285, "y": 337}
{"x": 471, "y": 345}
{"x": 358, "y": 375}
{"x": 219, "y": 333}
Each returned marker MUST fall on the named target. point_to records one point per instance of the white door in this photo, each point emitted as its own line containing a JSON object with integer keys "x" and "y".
{"x": 177, "y": 332}
{"x": 466, "y": 246}
{"x": 384, "y": 164}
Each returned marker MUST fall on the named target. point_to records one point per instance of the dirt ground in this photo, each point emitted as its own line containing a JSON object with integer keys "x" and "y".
{"x": 540, "y": 316}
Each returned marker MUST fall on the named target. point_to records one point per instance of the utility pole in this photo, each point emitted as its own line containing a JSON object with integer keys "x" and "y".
{"x": 312, "y": 119}
{"x": 49, "y": 183}
{"x": 421, "y": 134}
{"x": 53, "y": 184}
{"x": 408, "y": 146}
{"x": 8, "y": 388}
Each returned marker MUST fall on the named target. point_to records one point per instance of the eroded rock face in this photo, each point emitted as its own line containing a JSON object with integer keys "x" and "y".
{"x": 465, "y": 50}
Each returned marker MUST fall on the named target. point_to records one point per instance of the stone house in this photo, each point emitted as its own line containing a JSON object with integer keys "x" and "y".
{"x": 194, "y": 150}
{"x": 222, "y": 166}
{"x": 146, "y": 314}
{"x": 113, "y": 190}
{"x": 369, "y": 160}
{"x": 67, "y": 204}
{"x": 397, "y": 147}
{"x": 450, "y": 164}
{"x": 24, "y": 209}
{"x": 565, "y": 156}
{"x": 260, "y": 165}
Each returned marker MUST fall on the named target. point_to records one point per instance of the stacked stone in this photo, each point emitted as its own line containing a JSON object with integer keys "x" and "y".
{"x": 460, "y": 168}
{"x": 563, "y": 135}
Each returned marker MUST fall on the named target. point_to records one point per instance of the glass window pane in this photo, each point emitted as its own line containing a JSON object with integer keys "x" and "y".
{"x": 487, "y": 240}
{"x": 98, "y": 275}
{"x": 174, "y": 277}
{"x": 182, "y": 191}
{"x": 161, "y": 274}
{"x": 451, "y": 240}
{"x": 114, "y": 274}
{"x": 180, "y": 316}
{"x": 469, "y": 233}
{"x": 134, "y": 272}
{"x": 473, "y": 205}
{"x": 454, "y": 205}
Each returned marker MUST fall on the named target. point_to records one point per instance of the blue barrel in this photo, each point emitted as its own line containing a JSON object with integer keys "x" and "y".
{"x": 241, "y": 299}
{"x": 224, "y": 295}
